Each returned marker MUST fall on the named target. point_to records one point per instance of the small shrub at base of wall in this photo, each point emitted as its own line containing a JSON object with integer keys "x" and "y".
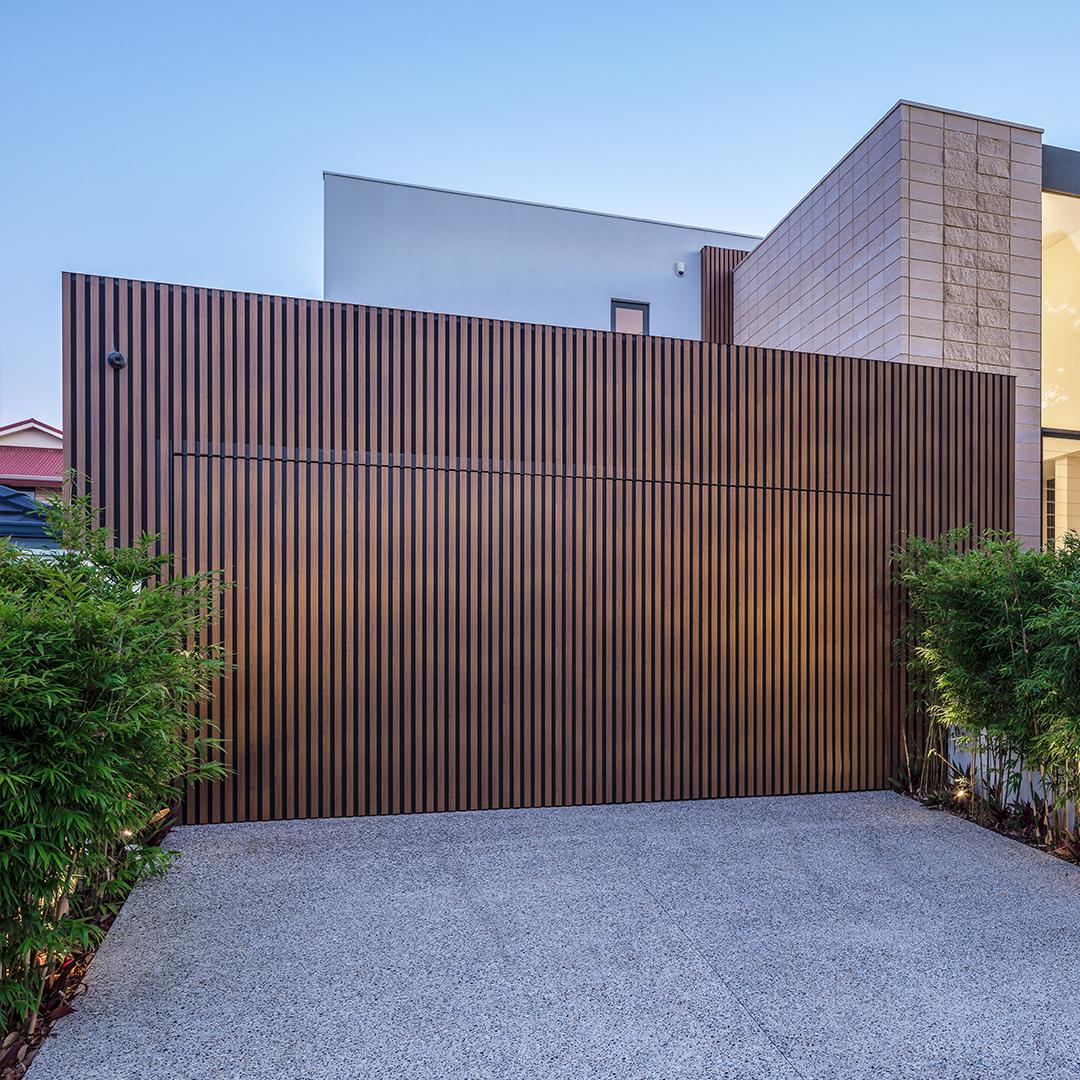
{"x": 992, "y": 641}
{"x": 103, "y": 654}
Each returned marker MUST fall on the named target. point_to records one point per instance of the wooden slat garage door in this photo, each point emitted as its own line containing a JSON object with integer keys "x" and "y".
{"x": 482, "y": 564}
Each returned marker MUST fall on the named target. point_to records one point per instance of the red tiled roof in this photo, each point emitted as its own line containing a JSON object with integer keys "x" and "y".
{"x": 42, "y": 464}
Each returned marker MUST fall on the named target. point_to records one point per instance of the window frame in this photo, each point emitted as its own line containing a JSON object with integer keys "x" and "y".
{"x": 1061, "y": 177}
{"x": 1046, "y": 518}
{"x": 631, "y": 305}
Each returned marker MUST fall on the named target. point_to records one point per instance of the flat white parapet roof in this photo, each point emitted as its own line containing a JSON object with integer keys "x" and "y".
{"x": 539, "y": 205}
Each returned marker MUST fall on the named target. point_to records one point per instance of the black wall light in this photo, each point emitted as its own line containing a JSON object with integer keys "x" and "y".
{"x": 117, "y": 360}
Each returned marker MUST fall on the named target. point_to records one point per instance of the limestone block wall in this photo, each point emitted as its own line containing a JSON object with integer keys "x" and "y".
{"x": 923, "y": 245}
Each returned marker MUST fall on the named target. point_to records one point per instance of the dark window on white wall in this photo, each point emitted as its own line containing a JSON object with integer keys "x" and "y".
{"x": 629, "y": 316}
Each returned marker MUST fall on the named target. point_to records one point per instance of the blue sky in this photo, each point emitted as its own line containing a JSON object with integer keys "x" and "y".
{"x": 187, "y": 142}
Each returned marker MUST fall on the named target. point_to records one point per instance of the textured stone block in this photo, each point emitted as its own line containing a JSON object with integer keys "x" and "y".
{"x": 959, "y": 140}
{"x": 993, "y": 166}
{"x": 958, "y": 237}
{"x": 959, "y": 294}
{"x": 961, "y": 313}
{"x": 989, "y": 279}
{"x": 956, "y": 195}
{"x": 990, "y": 203}
{"x": 993, "y": 335}
{"x": 993, "y": 317}
{"x": 993, "y": 298}
{"x": 960, "y": 178}
{"x": 994, "y": 354}
{"x": 992, "y": 260}
{"x": 961, "y": 331}
{"x": 965, "y": 351}
{"x": 994, "y": 232}
{"x": 960, "y": 275}
{"x": 959, "y": 256}
{"x": 961, "y": 217}
{"x": 992, "y": 147}
{"x": 961, "y": 160}
{"x": 993, "y": 185}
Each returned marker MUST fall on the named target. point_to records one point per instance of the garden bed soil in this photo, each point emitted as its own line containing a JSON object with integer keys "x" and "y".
{"x": 19, "y": 1047}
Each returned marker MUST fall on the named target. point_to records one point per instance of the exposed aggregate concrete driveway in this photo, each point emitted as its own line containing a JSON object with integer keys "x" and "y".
{"x": 820, "y": 936}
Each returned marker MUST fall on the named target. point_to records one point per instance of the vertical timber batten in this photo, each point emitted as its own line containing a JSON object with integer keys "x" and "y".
{"x": 718, "y": 293}
{"x": 485, "y": 564}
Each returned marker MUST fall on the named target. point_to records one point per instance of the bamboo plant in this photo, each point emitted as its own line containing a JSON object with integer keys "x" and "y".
{"x": 103, "y": 655}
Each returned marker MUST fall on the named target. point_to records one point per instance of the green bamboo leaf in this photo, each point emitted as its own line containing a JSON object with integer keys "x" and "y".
{"x": 97, "y": 689}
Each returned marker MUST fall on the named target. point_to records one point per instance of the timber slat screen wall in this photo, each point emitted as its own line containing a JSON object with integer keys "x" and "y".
{"x": 486, "y": 564}
{"x": 718, "y": 292}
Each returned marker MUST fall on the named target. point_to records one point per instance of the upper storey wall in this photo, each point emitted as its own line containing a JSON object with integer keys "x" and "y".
{"x": 830, "y": 273}
{"x": 922, "y": 245}
{"x": 397, "y": 245}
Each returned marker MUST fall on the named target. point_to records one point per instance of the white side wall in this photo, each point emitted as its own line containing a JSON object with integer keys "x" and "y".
{"x": 31, "y": 437}
{"x": 394, "y": 245}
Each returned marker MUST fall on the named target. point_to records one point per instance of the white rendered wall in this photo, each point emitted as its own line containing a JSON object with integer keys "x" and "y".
{"x": 32, "y": 437}
{"x": 395, "y": 245}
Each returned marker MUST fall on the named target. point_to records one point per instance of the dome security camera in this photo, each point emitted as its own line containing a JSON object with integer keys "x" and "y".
{"x": 680, "y": 269}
